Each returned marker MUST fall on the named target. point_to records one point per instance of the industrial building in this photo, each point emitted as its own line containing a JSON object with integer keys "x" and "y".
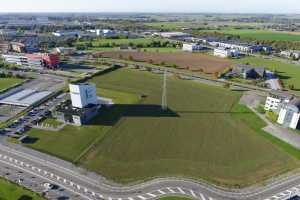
{"x": 83, "y": 107}
{"x": 191, "y": 47}
{"x": 18, "y": 47}
{"x": 33, "y": 60}
{"x": 247, "y": 48}
{"x": 226, "y": 52}
{"x": 171, "y": 34}
{"x": 4, "y": 46}
{"x": 276, "y": 99}
{"x": 290, "y": 114}
{"x": 83, "y": 95}
{"x": 23, "y": 97}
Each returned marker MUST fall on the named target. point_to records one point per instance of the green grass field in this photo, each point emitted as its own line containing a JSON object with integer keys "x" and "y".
{"x": 117, "y": 42}
{"x": 260, "y": 34}
{"x": 8, "y": 82}
{"x": 203, "y": 135}
{"x": 288, "y": 73}
{"x": 79, "y": 138}
{"x": 10, "y": 191}
{"x": 168, "y": 50}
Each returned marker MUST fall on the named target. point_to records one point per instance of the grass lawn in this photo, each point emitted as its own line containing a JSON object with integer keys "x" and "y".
{"x": 51, "y": 122}
{"x": 260, "y": 34}
{"x": 162, "y": 49}
{"x": 79, "y": 138}
{"x": 8, "y": 82}
{"x": 10, "y": 191}
{"x": 203, "y": 135}
{"x": 118, "y": 42}
{"x": 288, "y": 73}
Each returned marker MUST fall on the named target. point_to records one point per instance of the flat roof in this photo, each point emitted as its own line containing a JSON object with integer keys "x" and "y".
{"x": 25, "y": 97}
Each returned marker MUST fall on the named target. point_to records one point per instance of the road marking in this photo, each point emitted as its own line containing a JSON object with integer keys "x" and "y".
{"x": 202, "y": 196}
{"x": 152, "y": 195}
{"x": 130, "y": 198}
{"x": 193, "y": 193}
{"x": 45, "y": 178}
{"x": 141, "y": 197}
{"x": 180, "y": 190}
{"x": 172, "y": 191}
{"x": 160, "y": 191}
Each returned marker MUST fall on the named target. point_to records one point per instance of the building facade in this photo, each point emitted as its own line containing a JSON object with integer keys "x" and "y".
{"x": 33, "y": 60}
{"x": 191, "y": 47}
{"x": 225, "y": 52}
{"x": 82, "y": 95}
{"x": 276, "y": 100}
{"x": 290, "y": 114}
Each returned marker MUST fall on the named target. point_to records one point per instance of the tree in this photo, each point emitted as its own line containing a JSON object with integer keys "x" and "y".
{"x": 130, "y": 58}
{"x": 226, "y": 85}
{"x": 291, "y": 86}
{"x": 216, "y": 74}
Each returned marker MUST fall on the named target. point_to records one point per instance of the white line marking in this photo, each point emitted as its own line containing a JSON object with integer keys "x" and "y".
{"x": 202, "y": 196}
{"x": 180, "y": 190}
{"x": 193, "y": 193}
{"x": 45, "y": 178}
{"x": 160, "y": 191}
{"x": 172, "y": 191}
{"x": 152, "y": 195}
{"x": 141, "y": 197}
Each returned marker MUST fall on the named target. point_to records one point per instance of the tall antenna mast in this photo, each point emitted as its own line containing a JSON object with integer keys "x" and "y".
{"x": 164, "y": 104}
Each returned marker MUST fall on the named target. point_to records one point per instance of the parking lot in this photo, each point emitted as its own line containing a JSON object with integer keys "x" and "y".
{"x": 31, "y": 118}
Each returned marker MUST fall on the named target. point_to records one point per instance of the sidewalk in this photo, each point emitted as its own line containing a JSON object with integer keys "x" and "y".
{"x": 279, "y": 132}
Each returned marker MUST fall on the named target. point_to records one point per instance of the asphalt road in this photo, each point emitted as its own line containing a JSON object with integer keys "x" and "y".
{"x": 76, "y": 184}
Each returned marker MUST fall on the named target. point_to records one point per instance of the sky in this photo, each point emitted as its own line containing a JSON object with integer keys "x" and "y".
{"x": 224, "y": 6}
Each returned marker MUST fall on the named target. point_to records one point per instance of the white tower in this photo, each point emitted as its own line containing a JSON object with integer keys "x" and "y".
{"x": 83, "y": 95}
{"x": 164, "y": 104}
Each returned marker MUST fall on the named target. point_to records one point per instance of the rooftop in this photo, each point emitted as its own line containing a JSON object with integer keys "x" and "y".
{"x": 24, "y": 97}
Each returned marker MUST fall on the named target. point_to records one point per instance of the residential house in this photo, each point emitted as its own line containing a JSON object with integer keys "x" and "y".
{"x": 249, "y": 72}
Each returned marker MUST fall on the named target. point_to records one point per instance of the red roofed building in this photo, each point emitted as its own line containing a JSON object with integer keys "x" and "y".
{"x": 47, "y": 60}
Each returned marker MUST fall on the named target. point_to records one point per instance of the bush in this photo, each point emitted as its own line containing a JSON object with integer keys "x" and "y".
{"x": 260, "y": 108}
{"x": 226, "y": 85}
{"x": 272, "y": 116}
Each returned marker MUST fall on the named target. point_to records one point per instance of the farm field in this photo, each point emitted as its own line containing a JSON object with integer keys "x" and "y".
{"x": 196, "y": 62}
{"x": 8, "y": 82}
{"x": 203, "y": 135}
{"x": 10, "y": 191}
{"x": 289, "y": 73}
{"x": 260, "y": 34}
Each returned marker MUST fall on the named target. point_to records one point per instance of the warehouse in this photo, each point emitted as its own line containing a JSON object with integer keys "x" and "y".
{"x": 23, "y": 97}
